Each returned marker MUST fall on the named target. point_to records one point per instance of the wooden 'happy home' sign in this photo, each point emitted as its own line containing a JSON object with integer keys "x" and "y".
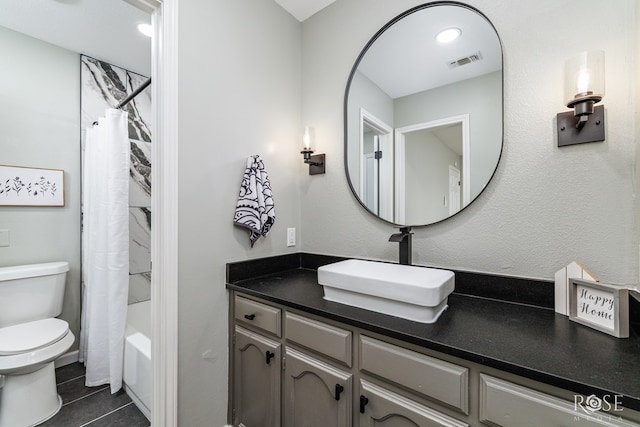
{"x": 599, "y": 306}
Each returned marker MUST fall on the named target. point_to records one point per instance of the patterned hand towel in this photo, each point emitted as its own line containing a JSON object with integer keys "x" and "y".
{"x": 255, "y": 209}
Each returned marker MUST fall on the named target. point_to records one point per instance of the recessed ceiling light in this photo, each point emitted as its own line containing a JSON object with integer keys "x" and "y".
{"x": 146, "y": 29}
{"x": 448, "y": 35}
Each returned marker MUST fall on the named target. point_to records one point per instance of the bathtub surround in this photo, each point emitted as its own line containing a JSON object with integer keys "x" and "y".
{"x": 103, "y": 86}
{"x": 139, "y": 289}
{"x": 140, "y": 235}
{"x": 137, "y": 356}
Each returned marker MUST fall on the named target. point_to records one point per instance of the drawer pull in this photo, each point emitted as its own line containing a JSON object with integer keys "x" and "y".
{"x": 363, "y": 403}
{"x": 339, "y": 389}
{"x": 249, "y": 316}
{"x": 268, "y": 356}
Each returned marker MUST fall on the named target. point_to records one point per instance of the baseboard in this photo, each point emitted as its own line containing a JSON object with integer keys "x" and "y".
{"x": 67, "y": 359}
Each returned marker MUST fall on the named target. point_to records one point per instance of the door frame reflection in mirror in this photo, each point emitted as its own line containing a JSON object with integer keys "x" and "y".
{"x": 400, "y": 149}
{"x": 382, "y": 203}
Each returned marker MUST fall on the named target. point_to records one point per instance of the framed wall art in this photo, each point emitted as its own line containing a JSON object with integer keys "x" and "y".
{"x": 24, "y": 186}
{"x": 600, "y": 306}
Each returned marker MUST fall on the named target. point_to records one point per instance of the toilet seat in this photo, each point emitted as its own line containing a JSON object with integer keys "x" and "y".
{"x": 30, "y": 336}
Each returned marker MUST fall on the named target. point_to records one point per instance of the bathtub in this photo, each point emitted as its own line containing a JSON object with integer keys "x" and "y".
{"x": 137, "y": 356}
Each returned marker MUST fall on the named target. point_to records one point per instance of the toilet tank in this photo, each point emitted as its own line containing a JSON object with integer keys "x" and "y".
{"x": 31, "y": 292}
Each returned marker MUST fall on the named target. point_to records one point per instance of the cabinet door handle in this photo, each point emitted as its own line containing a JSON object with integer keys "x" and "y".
{"x": 249, "y": 316}
{"x": 363, "y": 403}
{"x": 268, "y": 356}
{"x": 339, "y": 389}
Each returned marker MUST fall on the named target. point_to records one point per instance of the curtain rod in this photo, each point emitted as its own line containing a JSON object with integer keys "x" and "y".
{"x": 133, "y": 94}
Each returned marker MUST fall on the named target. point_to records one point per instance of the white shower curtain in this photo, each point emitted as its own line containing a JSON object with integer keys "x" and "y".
{"x": 105, "y": 240}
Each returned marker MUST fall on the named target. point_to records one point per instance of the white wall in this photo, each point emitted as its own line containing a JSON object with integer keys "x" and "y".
{"x": 546, "y": 206}
{"x": 427, "y": 177}
{"x": 479, "y": 98}
{"x": 239, "y": 95}
{"x": 40, "y": 127}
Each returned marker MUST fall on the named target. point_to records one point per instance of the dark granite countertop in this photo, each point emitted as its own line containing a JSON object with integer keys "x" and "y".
{"x": 525, "y": 340}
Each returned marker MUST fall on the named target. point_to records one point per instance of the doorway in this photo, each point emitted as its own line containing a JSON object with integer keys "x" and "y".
{"x": 423, "y": 153}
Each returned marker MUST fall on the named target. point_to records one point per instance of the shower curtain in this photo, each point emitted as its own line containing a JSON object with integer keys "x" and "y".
{"x": 105, "y": 239}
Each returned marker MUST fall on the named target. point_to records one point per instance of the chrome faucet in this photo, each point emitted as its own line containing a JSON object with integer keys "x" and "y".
{"x": 404, "y": 239}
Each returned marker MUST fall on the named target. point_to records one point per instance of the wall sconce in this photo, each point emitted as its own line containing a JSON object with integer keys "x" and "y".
{"x": 315, "y": 162}
{"x": 583, "y": 87}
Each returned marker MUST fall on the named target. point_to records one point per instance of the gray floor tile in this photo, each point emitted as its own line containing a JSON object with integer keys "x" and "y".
{"x": 129, "y": 416}
{"x": 88, "y": 409}
{"x": 92, "y": 406}
{"x": 69, "y": 372}
{"x": 72, "y": 390}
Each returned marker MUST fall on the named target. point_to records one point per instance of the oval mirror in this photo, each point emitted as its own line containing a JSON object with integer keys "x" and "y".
{"x": 423, "y": 117}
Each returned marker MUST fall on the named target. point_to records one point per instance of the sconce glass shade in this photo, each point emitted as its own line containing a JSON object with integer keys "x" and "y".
{"x": 584, "y": 78}
{"x": 306, "y": 139}
{"x": 315, "y": 162}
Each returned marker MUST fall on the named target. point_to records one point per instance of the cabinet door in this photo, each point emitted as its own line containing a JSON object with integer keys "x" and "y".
{"x": 316, "y": 393}
{"x": 258, "y": 364}
{"x": 380, "y": 407}
{"x": 511, "y": 405}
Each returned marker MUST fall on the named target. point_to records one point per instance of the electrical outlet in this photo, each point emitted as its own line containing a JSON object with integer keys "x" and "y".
{"x": 291, "y": 236}
{"x": 4, "y": 237}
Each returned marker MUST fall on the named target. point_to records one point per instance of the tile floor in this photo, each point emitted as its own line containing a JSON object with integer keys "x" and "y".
{"x": 92, "y": 406}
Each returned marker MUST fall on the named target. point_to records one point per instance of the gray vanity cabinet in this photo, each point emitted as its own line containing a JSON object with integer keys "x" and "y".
{"x": 257, "y": 363}
{"x": 295, "y": 369}
{"x": 424, "y": 375}
{"x": 505, "y": 404}
{"x": 317, "y": 394}
{"x": 381, "y": 407}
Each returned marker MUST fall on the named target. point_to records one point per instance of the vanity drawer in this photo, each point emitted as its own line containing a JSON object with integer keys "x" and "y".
{"x": 259, "y": 315}
{"x": 431, "y": 377}
{"x": 506, "y": 404}
{"x": 326, "y": 339}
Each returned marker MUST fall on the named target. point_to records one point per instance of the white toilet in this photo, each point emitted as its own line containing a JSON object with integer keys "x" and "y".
{"x": 31, "y": 338}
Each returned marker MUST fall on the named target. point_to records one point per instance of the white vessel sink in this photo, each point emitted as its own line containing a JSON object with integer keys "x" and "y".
{"x": 415, "y": 293}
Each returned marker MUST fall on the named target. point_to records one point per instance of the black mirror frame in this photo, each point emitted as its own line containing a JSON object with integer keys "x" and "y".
{"x": 348, "y": 87}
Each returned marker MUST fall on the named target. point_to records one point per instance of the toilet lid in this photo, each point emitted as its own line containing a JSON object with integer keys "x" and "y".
{"x": 26, "y": 337}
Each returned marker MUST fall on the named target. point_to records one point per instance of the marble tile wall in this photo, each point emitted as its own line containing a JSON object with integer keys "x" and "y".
{"x": 103, "y": 86}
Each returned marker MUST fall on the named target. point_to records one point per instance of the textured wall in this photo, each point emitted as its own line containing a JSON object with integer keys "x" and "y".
{"x": 546, "y": 206}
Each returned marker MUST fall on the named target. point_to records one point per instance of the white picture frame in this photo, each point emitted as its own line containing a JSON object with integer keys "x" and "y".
{"x": 600, "y": 306}
{"x": 26, "y": 186}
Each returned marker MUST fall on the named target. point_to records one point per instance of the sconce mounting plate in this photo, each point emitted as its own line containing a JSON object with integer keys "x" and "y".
{"x": 593, "y": 130}
{"x": 316, "y": 164}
